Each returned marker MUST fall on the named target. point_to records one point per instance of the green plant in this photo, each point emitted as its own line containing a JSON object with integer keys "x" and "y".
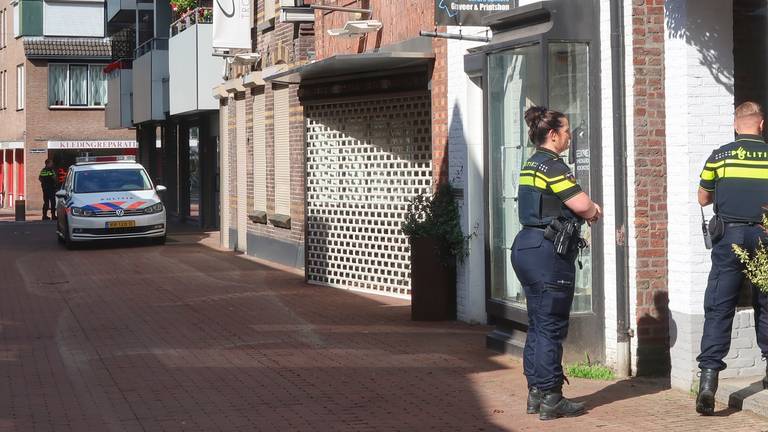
{"x": 437, "y": 216}
{"x": 183, "y": 6}
{"x": 756, "y": 264}
{"x": 589, "y": 370}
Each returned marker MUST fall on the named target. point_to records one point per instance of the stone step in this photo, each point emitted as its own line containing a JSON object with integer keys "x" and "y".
{"x": 744, "y": 393}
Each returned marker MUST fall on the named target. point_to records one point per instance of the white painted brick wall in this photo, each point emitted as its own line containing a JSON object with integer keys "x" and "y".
{"x": 744, "y": 358}
{"x": 465, "y": 158}
{"x": 699, "y": 106}
{"x": 608, "y": 201}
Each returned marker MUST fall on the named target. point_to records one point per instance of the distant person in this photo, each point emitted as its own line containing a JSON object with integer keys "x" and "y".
{"x": 49, "y": 183}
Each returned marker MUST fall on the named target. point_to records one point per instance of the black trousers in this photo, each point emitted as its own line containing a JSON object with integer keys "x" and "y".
{"x": 49, "y": 202}
{"x": 722, "y": 296}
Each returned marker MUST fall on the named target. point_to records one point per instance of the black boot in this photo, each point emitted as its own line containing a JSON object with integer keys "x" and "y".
{"x": 705, "y": 401}
{"x": 554, "y": 405}
{"x": 765, "y": 378}
{"x": 534, "y": 400}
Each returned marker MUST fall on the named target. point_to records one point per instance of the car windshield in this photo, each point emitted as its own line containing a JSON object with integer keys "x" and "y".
{"x": 113, "y": 180}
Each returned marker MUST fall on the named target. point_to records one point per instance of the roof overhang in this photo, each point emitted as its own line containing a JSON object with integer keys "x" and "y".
{"x": 343, "y": 65}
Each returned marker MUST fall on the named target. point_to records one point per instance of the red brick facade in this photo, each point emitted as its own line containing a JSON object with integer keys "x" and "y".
{"x": 650, "y": 186}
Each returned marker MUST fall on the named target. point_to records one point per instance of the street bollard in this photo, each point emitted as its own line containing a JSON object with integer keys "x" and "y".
{"x": 21, "y": 210}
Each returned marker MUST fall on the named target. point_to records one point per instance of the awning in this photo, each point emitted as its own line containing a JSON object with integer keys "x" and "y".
{"x": 344, "y": 65}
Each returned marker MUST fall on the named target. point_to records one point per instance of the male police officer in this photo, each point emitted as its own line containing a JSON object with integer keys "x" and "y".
{"x": 48, "y": 183}
{"x": 735, "y": 180}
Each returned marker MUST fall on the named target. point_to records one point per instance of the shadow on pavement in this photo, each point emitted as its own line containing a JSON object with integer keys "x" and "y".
{"x": 626, "y": 389}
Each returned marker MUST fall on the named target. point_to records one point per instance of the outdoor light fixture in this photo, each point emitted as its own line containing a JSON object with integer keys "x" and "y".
{"x": 356, "y": 28}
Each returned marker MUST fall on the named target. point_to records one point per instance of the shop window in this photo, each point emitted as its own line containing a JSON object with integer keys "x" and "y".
{"x": 76, "y": 85}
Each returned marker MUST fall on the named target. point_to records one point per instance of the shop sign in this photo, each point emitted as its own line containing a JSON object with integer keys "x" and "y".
{"x": 468, "y": 12}
{"x": 6, "y": 145}
{"x": 232, "y": 24}
{"x": 65, "y": 145}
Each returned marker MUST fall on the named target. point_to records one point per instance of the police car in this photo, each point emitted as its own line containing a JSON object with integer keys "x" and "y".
{"x": 109, "y": 198}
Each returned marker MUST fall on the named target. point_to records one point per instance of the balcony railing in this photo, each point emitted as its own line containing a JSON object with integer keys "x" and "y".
{"x": 201, "y": 15}
{"x": 150, "y": 45}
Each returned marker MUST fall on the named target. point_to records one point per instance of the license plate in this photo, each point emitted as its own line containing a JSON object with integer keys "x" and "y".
{"x": 121, "y": 224}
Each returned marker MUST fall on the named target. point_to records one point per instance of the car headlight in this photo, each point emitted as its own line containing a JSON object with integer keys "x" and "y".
{"x": 77, "y": 211}
{"x": 154, "y": 208}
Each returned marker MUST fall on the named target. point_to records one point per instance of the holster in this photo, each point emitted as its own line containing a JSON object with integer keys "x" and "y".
{"x": 716, "y": 228}
{"x": 564, "y": 234}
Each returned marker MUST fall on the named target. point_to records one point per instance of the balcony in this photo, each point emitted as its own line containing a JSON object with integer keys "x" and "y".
{"x": 119, "y": 109}
{"x": 194, "y": 71}
{"x": 121, "y": 12}
{"x": 150, "y": 81}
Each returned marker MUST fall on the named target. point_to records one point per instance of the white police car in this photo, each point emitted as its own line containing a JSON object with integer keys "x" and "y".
{"x": 109, "y": 198}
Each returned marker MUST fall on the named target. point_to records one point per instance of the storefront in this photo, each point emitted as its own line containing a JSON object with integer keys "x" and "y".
{"x": 545, "y": 54}
{"x": 11, "y": 173}
{"x": 65, "y": 153}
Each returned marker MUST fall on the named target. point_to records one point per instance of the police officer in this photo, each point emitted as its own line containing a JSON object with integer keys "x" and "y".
{"x": 49, "y": 184}
{"x": 735, "y": 180}
{"x": 550, "y": 200}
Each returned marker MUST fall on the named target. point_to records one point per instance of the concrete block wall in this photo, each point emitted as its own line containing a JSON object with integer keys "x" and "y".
{"x": 466, "y": 171}
{"x": 699, "y": 115}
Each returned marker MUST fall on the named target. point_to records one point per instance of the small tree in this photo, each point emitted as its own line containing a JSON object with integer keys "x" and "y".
{"x": 757, "y": 263}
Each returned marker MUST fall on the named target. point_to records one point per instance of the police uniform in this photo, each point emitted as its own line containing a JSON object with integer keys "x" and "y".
{"x": 48, "y": 183}
{"x": 546, "y": 182}
{"x": 737, "y": 174}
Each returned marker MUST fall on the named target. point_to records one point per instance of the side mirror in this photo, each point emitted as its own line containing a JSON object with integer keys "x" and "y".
{"x": 161, "y": 188}
{"x": 61, "y": 193}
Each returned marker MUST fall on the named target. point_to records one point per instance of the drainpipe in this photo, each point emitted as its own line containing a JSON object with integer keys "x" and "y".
{"x": 624, "y": 329}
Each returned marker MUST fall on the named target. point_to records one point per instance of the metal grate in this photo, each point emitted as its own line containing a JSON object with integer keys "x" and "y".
{"x": 364, "y": 161}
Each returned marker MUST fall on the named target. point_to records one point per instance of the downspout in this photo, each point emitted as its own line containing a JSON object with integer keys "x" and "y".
{"x": 624, "y": 329}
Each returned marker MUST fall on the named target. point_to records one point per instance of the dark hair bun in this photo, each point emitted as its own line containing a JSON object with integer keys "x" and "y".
{"x": 533, "y": 116}
{"x": 541, "y": 121}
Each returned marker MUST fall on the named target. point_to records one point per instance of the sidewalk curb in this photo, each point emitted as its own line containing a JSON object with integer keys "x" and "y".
{"x": 745, "y": 394}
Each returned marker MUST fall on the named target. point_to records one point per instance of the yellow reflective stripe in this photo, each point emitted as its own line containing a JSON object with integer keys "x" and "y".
{"x": 715, "y": 165}
{"x": 562, "y": 186}
{"x": 530, "y": 181}
{"x": 743, "y": 172}
{"x": 527, "y": 172}
{"x": 707, "y": 175}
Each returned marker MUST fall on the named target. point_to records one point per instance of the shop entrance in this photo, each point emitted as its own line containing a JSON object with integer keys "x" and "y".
{"x": 554, "y": 64}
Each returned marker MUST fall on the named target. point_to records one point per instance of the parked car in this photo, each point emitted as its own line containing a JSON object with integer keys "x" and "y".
{"x": 109, "y": 198}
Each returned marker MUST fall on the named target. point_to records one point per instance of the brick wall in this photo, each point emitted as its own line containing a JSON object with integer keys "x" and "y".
{"x": 650, "y": 187}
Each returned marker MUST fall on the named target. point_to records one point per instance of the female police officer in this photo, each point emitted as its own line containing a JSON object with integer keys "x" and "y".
{"x": 552, "y": 208}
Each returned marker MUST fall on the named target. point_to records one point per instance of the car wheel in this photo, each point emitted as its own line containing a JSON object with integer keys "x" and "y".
{"x": 68, "y": 243}
{"x": 59, "y": 237}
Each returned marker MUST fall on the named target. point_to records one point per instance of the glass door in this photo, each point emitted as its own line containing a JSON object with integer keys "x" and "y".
{"x": 556, "y": 76}
{"x": 568, "y": 90}
{"x": 515, "y": 83}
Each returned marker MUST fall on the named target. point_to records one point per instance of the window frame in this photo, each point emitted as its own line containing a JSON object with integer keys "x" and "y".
{"x": 68, "y": 90}
{"x": 20, "y": 87}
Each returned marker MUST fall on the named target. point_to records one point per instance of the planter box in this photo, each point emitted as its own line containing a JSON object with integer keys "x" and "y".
{"x": 433, "y": 285}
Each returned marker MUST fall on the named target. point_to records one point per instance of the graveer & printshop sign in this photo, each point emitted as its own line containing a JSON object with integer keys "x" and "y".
{"x": 468, "y": 12}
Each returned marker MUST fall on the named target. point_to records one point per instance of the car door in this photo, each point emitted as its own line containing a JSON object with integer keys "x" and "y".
{"x": 61, "y": 203}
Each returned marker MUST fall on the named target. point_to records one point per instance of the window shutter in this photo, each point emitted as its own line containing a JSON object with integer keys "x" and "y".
{"x": 73, "y": 18}
{"x": 282, "y": 152}
{"x": 259, "y": 155}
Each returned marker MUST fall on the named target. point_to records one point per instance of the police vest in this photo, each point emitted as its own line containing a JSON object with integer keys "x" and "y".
{"x": 737, "y": 173}
{"x": 546, "y": 182}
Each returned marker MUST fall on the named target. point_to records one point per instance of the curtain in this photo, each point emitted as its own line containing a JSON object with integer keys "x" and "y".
{"x": 57, "y": 84}
{"x": 78, "y": 85}
{"x": 98, "y": 86}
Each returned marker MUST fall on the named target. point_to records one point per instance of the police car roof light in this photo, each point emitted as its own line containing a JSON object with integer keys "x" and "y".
{"x": 97, "y": 159}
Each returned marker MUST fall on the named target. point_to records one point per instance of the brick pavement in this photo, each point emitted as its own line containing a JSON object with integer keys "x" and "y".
{"x": 183, "y": 337}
